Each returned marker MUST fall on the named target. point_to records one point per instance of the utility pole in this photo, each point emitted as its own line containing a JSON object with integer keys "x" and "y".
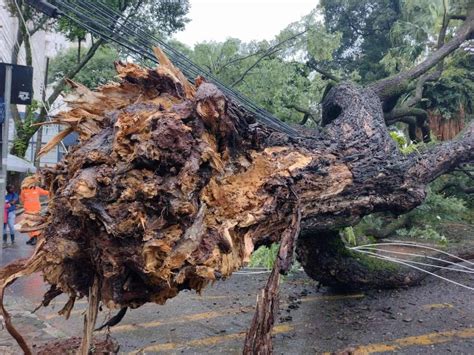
{"x": 39, "y": 132}
{"x": 4, "y": 150}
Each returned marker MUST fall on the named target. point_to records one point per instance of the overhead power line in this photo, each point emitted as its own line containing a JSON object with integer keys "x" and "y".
{"x": 98, "y": 18}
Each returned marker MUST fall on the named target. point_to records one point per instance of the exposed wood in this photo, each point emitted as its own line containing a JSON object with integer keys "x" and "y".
{"x": 258, "y": 338}
{"x": 445, "y": 129}
{"x": 91, "y": 316}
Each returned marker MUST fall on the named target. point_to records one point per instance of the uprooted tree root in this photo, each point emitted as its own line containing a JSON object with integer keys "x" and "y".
{"x": 172, "y": 186}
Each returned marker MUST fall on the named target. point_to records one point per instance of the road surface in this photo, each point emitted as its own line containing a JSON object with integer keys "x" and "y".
{"x": 434, "y": 318}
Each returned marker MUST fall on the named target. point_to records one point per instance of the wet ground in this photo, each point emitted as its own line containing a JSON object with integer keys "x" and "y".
{"x": 434, "y": 318}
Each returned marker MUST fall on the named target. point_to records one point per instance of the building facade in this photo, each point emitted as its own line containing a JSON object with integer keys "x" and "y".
{"x": 44, "y": 45}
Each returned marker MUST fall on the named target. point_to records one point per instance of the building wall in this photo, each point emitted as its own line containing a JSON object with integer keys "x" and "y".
{"x": 44, "y": 45}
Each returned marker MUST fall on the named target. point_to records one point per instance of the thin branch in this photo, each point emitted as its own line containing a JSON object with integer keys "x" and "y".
{"x": 427, "y": 77}
{"x": 39, "y": 26}
{"x": 399, "y": 113}
{"x": 307, "y": 113}
{"x": 236, "y": 60}
{"x": 268, "y": 52}
{"x": 389, "y": 228}
{"x": 312, "y": 64}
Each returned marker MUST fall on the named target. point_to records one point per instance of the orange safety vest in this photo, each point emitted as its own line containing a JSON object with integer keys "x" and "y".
{"x": 30, "y": 199}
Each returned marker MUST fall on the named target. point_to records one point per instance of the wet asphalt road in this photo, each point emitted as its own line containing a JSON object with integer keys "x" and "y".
{"x": 434, "y": 318}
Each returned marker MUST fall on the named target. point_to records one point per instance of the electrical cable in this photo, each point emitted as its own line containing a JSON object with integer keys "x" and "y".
{"x": 463, "y": 268}
{"x": 177, "y": 56}
{"x": 105, "y": 26}
{"x": 416, "y": 255}
{"x": 405, "y": 263}
{"x": 417, "y": 245}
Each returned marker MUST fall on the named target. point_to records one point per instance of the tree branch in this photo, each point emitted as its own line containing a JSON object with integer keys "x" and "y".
{"x": 72, "y": 73}
{"x": 236, "y": 60}
{"x": 458, "y": 186}
{"x": 388, "y": 229}
{"x": 307, "y": 113}
{"x": 394, "y": 85}
{"x": 401, "y": 112}
{"x": 427, "y": 77}
{"x": 443, "y": 158}
{"x": 267, "y": 53}
{"x": 312, "y": 64}
{"x": 40, "y": 25}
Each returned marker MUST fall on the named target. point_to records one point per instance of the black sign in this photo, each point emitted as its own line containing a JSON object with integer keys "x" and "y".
{"x": 22, "y": 83}
{"x": 2, "y": 110}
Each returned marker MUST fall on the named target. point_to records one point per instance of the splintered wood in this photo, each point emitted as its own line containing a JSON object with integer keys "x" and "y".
{"x": 168, "y": 189}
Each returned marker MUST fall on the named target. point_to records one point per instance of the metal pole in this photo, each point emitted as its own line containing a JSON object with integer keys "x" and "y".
{"x": 4, "y": 150}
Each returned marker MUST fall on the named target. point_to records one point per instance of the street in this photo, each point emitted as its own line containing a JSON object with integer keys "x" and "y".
{"x": 435, "y": 318}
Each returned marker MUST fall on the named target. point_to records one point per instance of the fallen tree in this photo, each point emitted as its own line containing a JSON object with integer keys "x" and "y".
{"x": 173, "y": 186}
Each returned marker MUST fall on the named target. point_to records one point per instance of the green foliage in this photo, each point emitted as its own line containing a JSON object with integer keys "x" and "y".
{"x": 454, "y": 90}
{"x": 399, "y": 138}
{"x": 24, "y": 130}
{"x": 364, "y": 25}
{"x": 425, "y": 221}
{"x": 30, "y": 15}
{"x": 426, "y": 232}
{"x": 274, "y": 73}
{"x": 349, "y": 236}
{"x": 264, "y": 256}
{"x": 406, "y": 147}
{"x": 162, "y": 17}
{"x": 98, "y": 71}
{"x": 415, "y": 36}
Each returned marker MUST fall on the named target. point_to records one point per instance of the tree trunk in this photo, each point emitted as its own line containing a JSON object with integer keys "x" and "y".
{"x": 179, "y": 188}
{"x": 173, "y": 186}
{"x": 326, "y": 259}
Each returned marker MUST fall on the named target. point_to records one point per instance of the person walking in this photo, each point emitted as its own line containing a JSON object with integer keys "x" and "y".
{"x": 11, "y": 201}
{"x": 30, "y": 198}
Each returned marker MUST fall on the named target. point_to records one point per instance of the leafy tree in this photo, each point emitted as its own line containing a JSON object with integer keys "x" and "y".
{"x": 365, "y": 28}
{"x": 98, "y": 71}
{"x": 275, "y": 73}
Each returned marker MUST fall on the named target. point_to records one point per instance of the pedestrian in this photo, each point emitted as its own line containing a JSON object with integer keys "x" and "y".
{"x": 5, "y": 219}
{"x": 11, "y": 200}
{"x": 30, "y": 198}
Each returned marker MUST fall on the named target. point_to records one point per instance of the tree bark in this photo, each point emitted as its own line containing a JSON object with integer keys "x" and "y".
{"x": 224, "y": 178}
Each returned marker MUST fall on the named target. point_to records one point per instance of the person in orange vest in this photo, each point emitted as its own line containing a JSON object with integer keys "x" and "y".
{"x": 30, "y": 198}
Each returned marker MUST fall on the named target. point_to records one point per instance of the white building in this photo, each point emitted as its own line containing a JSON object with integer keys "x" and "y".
{"x": 44, "y": 45}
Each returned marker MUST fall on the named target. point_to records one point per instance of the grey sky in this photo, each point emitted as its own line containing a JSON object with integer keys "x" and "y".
{"x": 245, "y": 19}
